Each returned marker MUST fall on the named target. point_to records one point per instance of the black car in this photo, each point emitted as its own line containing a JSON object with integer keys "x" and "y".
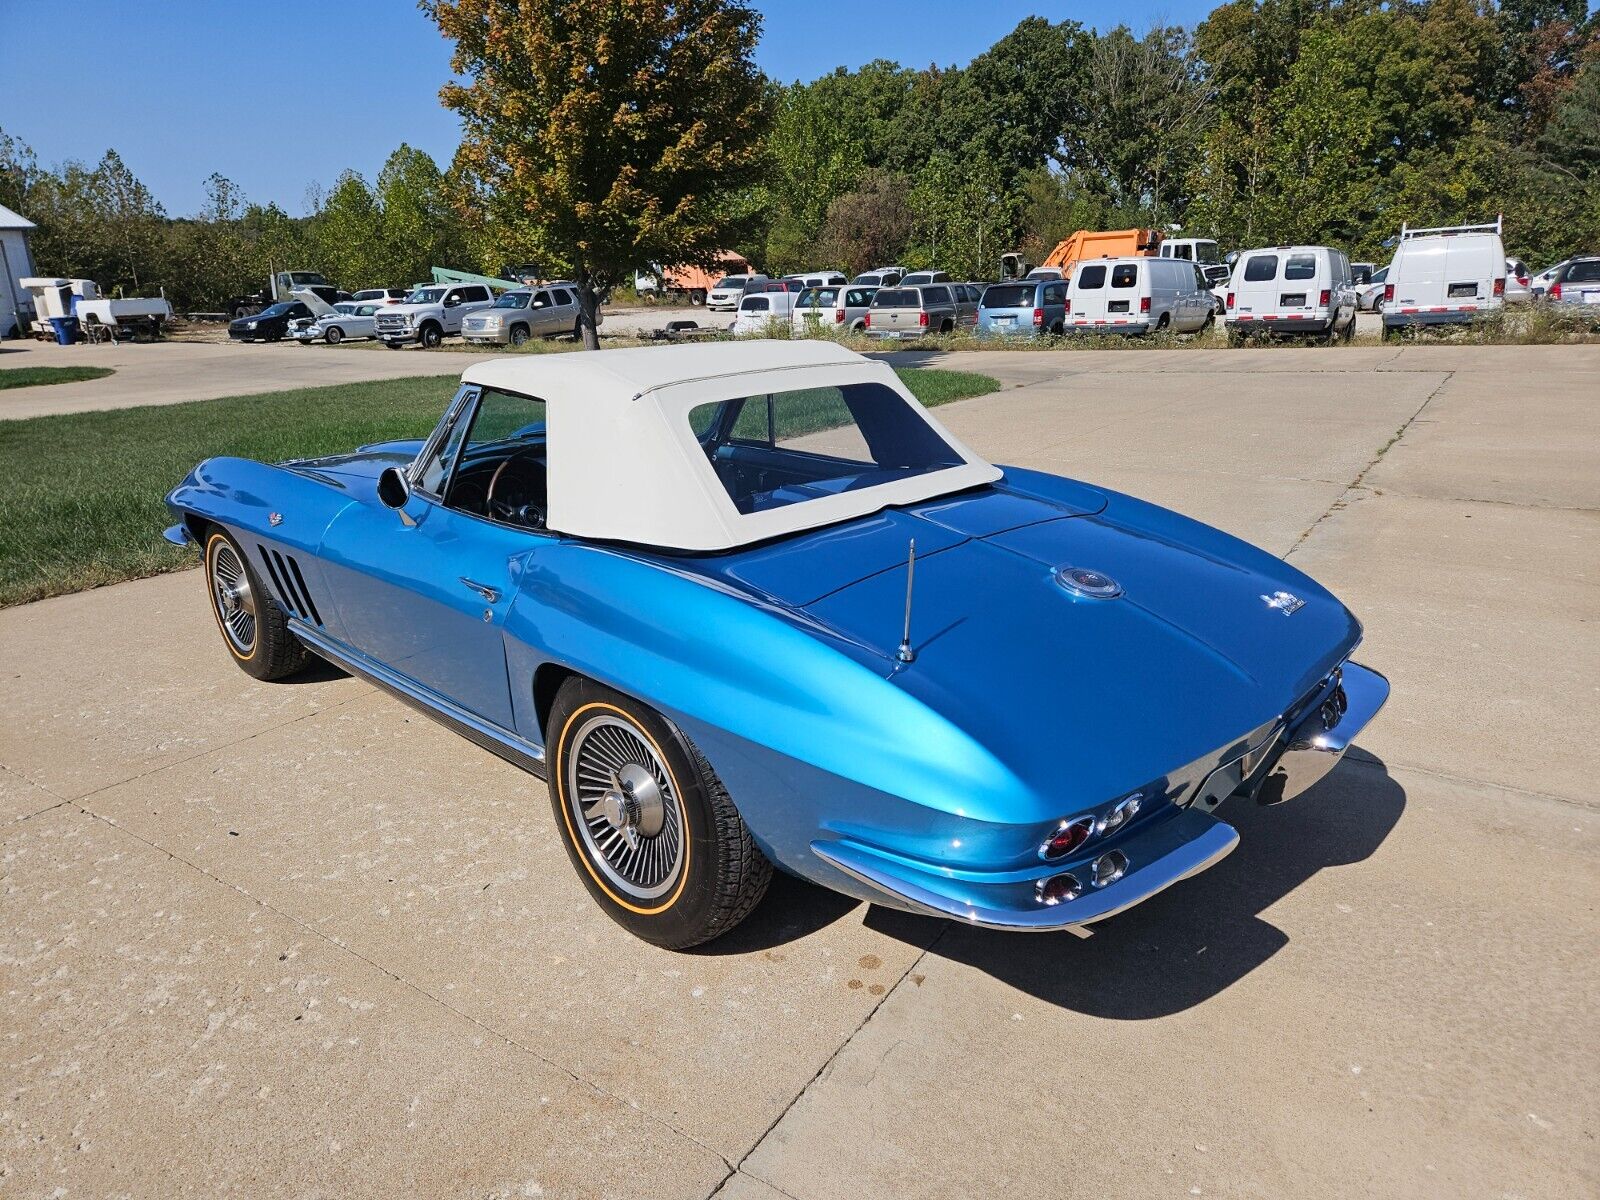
{"x": 268, "y": 325}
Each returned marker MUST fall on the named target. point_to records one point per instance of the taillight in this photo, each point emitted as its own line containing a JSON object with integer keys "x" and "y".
{"x": 1555, "y": 291}
{"x": 1324, "y": 296}
{"x": 1038, "y": 316}
{"x": 1230, "y": 301}
{"x": 922, "y": 319}
{"x": 1069, "y": 308}
{"x": 1499, "y": 287}
{"x": 1144, "y": 304}
{"x": 1067, "y": 838}
{"x": 838, "y": 316}
{"x": 1388, "y": 292}
{"x": 866, "y": 321}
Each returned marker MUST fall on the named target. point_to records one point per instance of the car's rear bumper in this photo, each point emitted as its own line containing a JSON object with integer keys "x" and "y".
{"x": 1166, "y": 851}
{"x": 1436, "y": 315}
{"x": 1157, "y": 853}
{"x": 1289, "y": 324}
{"x": 1110, "y": 325}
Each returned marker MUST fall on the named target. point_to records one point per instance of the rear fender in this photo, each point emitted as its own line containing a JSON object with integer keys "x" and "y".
{"x": 278, "y": 518}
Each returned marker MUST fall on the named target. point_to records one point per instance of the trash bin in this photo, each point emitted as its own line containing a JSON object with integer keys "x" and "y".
{"x": 66, "y": 330}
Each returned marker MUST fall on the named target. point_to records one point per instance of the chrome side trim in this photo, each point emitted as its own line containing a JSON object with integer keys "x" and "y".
{"x": 1317, "y": 743}
{"x": 491, "y": 737}
{"x": 1139, "y": 884}
{"x": 177, "y": 535}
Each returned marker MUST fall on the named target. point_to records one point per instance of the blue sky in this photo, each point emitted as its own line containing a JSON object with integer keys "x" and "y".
{"x": 279, "y": 97}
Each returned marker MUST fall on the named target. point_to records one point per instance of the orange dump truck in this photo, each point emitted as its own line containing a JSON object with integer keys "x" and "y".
{"x": 690, "y": 283}
{"x": 1114, "y": 243}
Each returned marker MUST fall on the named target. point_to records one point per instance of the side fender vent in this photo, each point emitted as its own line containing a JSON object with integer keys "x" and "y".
{"x": 290, "y": 584}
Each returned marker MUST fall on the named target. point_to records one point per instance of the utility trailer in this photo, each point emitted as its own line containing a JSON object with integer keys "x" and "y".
{"x": 100, "y": 318}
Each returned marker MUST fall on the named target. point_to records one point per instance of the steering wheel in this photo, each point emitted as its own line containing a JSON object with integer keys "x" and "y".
{"x": 520, "y": 505}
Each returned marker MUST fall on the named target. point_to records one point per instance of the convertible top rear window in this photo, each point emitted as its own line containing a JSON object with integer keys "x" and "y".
{"x": 785, "y": 448}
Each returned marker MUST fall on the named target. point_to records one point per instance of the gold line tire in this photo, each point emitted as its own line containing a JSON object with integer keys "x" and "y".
{"x": 650, "y": 830}
{"x": 253, "y": 628}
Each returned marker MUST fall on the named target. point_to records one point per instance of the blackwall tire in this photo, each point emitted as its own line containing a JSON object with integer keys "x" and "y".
{"x": 253, "y": 628}
{"x": 650, "y": 830}
{"x": 430, "y": 336}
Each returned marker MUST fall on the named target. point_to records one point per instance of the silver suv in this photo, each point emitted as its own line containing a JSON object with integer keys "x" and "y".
{"x": 430, "y": 313}
{"x": 525, "y": 313}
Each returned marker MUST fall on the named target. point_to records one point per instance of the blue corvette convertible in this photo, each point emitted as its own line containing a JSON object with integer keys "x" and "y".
{"x": 749, "y": 604}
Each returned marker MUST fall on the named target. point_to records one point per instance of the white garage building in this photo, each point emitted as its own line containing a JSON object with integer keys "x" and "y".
{"x": 15, "y": 263}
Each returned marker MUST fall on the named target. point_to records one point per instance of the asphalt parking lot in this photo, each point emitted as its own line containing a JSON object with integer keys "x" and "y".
{"x": 295, "y": 939}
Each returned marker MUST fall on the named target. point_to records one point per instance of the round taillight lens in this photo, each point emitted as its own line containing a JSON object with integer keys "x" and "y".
{"x": 1067, "y": 838}
{"x": 1058, "y": 888}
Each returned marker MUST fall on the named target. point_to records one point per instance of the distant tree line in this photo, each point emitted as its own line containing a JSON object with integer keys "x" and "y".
{"x": 1272, "y": 121}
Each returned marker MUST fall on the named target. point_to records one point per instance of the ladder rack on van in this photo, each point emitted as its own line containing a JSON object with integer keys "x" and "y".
{"x": 1449, "y": 230}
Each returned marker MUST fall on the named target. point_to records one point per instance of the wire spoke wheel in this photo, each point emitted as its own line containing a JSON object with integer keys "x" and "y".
{"x": 624, "y": 807}
{"x": 234, "y": 599}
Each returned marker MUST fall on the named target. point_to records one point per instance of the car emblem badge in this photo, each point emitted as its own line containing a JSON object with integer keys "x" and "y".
{"x": 274, "y": 519}
{"x": 1285, "y": 602}
{"x": 1082, "y": 581}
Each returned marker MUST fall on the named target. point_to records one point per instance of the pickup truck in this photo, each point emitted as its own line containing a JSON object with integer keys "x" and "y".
{"x": 430, "y": 314}
{"x": 906, "y": 313}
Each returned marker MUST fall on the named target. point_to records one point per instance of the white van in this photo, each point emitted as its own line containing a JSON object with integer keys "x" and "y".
{"x": 1296, "y": 290}
{"x": 759, "y": 309}
{"x": 1445, "y": 276}
{"x": 1201, "y": 251}
{"x": 1137, "y": 295}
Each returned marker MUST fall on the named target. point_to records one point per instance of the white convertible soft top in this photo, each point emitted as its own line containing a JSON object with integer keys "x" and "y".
{"x": 623, "y": 461}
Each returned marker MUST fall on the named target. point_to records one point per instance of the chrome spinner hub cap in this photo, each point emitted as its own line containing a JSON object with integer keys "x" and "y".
{"x": 627, "y": 816}
{"x": 236, "y": 604}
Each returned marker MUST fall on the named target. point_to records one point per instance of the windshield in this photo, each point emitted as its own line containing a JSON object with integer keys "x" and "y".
{"x": 513, "y": 300}
{"x": 278, "y": 310}
{"x": 426, "y": 295}
{"x": 786, "y": 448}
{"x": 1206, "y": 252}
{"x": 729, "y": 281}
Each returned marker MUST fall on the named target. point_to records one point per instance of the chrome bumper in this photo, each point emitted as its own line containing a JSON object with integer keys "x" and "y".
{"x": 1173, "y": 849}
{"x": 1316, "y": 744}
{"x": 178, "y": 535}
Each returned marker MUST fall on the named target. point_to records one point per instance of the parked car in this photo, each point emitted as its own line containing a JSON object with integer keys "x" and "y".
{"x": 430, "y": 314}
{"x": 726, "y": 293}
{"x": 1137, "y": 295}
{"x": 1449, "y": 275}
{"x": 711, "y": 686}
{"x": 1300, "y": 291}
{"x": 880, "y": 277}
{"x": 1518, "y": 282}
{"x": 757, "y": 310}
{"x": 527, "y": 313}
{"x": 902, "y": 313}
{"x": 818, "y": 279}
{"x": 382, "y": 295}
{"x": 1369, "y": 296}
{"x": 1028, "y": 307}
{"x": 1539, "y": 284}
{"x": 271, "y": 324}
{"x": 349, "y": 321}
{"x": 968, "y": 296}
{"x": 918, "y": 278}
{"x": 837, "y": 308}
{"x": 1576, "y": 287}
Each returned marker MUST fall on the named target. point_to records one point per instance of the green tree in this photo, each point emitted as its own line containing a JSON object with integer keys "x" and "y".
{"x": 814, "y": 154}
{"x": 605, "y": 138}
{"x": 870, "y": 226}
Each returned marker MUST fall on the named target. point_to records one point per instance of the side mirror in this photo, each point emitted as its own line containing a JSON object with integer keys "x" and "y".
{"x": 452, "y": 301}
{"x": 394, "y": 489}
{"x": 1231, "y": 257}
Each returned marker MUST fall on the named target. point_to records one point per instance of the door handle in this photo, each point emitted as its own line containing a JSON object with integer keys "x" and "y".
{"x": 489, "y": 594}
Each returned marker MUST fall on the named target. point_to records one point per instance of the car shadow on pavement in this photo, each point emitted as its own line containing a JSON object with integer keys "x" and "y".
{"x": 1187, "y": 944}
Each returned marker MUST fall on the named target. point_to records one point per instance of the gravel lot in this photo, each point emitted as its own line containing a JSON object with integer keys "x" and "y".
{"x": 295, "y": 939}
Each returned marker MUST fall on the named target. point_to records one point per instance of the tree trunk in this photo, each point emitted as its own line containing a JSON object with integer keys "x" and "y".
{"x": 587, "y": 303}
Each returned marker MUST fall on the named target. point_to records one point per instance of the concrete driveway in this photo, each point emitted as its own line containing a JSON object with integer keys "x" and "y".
{"x": 295, "y": 939}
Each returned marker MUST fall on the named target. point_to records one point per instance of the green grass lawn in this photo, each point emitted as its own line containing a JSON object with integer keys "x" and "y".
{"x": 84, "y": 491}
{"x": 18, "y": 377}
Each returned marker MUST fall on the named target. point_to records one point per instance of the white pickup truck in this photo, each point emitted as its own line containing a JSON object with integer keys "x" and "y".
{"x": 431, "y": 313}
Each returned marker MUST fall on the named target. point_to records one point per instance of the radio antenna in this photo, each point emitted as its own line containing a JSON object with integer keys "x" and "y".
{"x": 907, "y": 654}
